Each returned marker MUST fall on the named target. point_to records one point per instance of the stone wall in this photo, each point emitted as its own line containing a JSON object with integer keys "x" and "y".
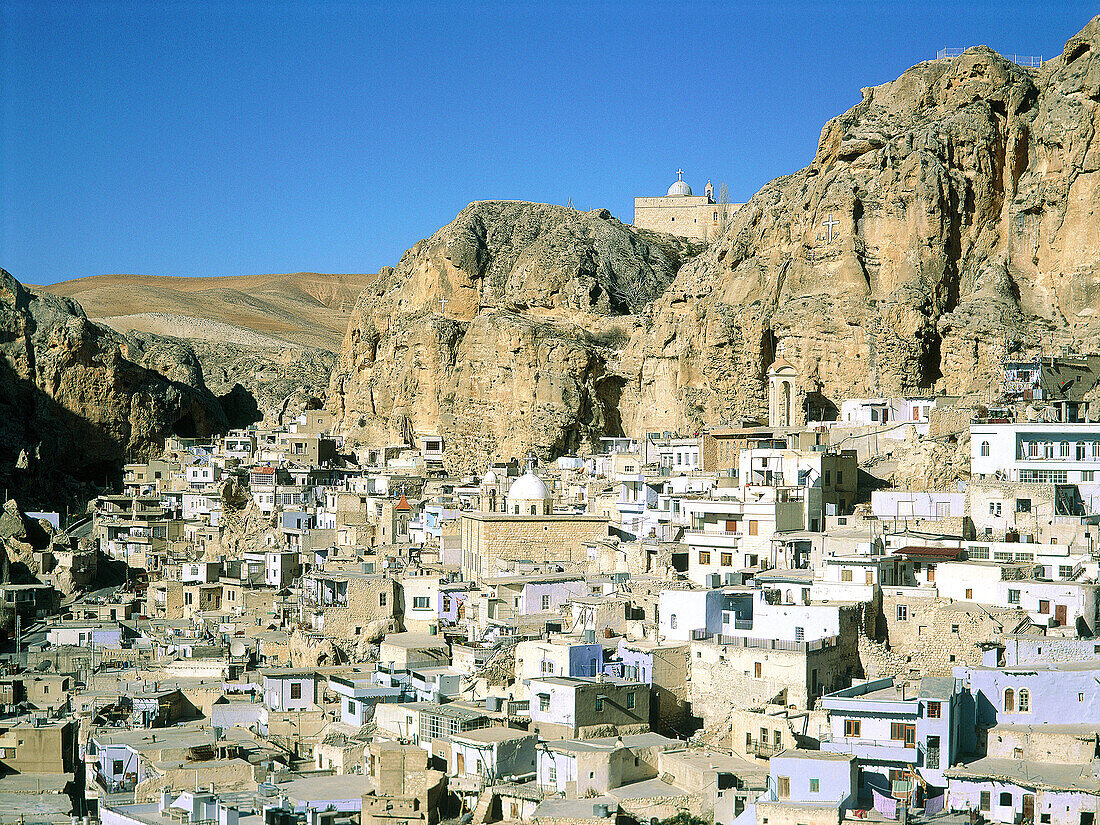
{"x": 934, "y": 635}
{"x": 486, "y": 540}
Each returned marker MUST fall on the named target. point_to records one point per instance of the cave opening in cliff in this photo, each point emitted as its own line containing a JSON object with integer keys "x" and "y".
{"x": 929, "y": 364}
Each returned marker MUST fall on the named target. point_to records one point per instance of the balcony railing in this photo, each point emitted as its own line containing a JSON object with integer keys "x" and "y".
{"x": 764, "y": 750}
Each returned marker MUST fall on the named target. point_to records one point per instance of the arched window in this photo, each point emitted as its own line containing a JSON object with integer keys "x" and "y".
{"x": 1025, "y": 700}
{"x": 1010, "y": 701}
{"x": 985, "y": 448}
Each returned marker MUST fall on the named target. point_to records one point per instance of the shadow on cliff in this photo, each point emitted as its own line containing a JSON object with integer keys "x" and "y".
{"x": 52, "y": 457}
{"x": 240, "y": 407}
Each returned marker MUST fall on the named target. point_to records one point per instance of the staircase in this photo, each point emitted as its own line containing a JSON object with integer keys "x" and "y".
{"x": 484, "y": 803}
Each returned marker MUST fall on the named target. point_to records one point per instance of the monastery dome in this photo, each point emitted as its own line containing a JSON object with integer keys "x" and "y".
{"x": 490, "y": 478}
{"x": 528, "y": 487}
{"x": 679, "y": 188}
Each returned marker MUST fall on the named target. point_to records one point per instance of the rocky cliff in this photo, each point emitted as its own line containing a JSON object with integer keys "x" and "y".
{"x": 501, "y": 332}
{"x": 77, "y": 399}
{"x": 948, "y": 217}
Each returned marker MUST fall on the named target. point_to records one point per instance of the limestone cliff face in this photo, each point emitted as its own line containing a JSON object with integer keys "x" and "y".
{"x": 501, "y": 332}
{"x": 961, "y": 202}
{"x": 950, "y": 215}
{"x": 77, "y": 399}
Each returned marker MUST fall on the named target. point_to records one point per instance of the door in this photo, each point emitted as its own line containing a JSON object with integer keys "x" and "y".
{"x": 460, "y": 763}
{"x": 1060, "y": 614}
{"x": 783, "y": 789}
{"x": 1029, "y": 807}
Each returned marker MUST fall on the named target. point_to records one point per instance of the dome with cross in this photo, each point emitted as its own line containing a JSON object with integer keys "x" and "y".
{"x": 679, "y": 188}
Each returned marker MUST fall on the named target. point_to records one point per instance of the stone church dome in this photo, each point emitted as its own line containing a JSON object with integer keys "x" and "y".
{"x": 528, "y": 487}
{"x": 679, "y": 188}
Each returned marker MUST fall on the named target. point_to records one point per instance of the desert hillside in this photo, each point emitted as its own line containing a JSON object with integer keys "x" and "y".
{"x": 305, "y": 308}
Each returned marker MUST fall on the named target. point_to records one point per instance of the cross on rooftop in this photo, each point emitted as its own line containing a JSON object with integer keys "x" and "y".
{"x": 679, "y": 174}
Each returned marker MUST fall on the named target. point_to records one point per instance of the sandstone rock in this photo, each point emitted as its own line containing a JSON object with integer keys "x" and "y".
{"x": 960, "y": 200}
{"x": 500, "y": 330}
{"x": 77, "y": 399}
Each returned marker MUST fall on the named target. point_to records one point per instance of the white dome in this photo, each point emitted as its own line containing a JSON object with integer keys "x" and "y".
{"x": 490, "y": 478}
{"x": 679, "y": 188}
{"x": 528, "y": 487}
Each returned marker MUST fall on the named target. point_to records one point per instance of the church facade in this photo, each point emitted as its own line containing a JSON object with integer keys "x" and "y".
{"x": 679, "y": 212}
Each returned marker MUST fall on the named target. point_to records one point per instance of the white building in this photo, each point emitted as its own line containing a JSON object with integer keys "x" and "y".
{"x": 1032, "y": 451}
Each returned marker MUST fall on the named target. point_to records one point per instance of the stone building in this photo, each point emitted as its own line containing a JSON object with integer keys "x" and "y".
{"x": 491, "y": 541}
{"x": 679, "y": 212}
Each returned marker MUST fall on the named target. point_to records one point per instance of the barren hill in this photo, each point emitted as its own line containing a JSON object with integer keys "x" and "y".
{"x": 304, "y": 308}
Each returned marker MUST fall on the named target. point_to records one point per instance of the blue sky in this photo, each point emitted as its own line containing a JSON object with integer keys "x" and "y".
{"x": 226, "y": 138}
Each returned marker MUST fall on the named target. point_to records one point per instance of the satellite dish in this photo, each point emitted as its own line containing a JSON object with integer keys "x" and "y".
{"x": 237, "y": 648}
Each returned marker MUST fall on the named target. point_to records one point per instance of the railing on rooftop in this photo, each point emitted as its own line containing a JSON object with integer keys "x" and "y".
{"x": 1027, "y": 60}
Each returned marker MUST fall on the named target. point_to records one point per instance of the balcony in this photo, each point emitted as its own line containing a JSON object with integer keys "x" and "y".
{"x": 764, "y": 750}
{"x": 712, "y": 538}
{"x": 873, "y": 749}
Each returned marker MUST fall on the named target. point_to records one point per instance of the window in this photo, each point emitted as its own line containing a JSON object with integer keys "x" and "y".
{"x": 599, "y": 704}
{"x": 630, "y": 699}
{"x": 382, "y": 599}
{"x": 1063, "y": 449}
{"x": 1013, "y": 596}
{"x": 754, "y": 527}
{"x": 188, "y": 598}
{"x": 727, "y": 559}
{"x": 1044, "y": 606}
{"x": 420, "y": 602}
{"x": 116, "y": 767}
{"x": 815, "y": 785}
{"x": 1065, "y": 571}
{"x": 1023, "y": 505}
{"x": 1006, "y": 799}
{"x": 934, "y": 708}
{"x": 851, "y": 728}
{"x": 544, "y": 702}
{"x": 545, "y": 603}
{"x": 903, "y": 612}
{"x": 763, "y": 736}
{"x": 970, "y": 592}
{"x": 351, "y": 706}
{"x": 1088, "y": 475}
{"x": 985, "y": 448}
{"x": 846, "y": 575}
{"x": 902, "y": 732}
{"x": 295, "y": 690}
{"x": 552, "y": 775}
{"x": 1010, "y": 700}
{"x": 704, "y": 557}
{"x": 994, "y": 508}
{"x": 839, "y": 476}
{"x": 672, "y": 620}
{"x": 979, "y": 552}
{"x": 1024, "y": 700}
{"x": 984, "y": 803}
{"x": 799, "y": 634}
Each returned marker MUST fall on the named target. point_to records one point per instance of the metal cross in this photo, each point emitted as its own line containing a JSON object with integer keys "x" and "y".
{"x": 443, "y": 305}
{"x": 830, "y": 224}
{"x": 679, "y": 174}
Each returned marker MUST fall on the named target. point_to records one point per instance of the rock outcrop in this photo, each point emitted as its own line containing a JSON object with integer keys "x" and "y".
{"x": 78, "y": 399}
{"x": 501, "y": 331}
{"x": 947, "y": 217}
